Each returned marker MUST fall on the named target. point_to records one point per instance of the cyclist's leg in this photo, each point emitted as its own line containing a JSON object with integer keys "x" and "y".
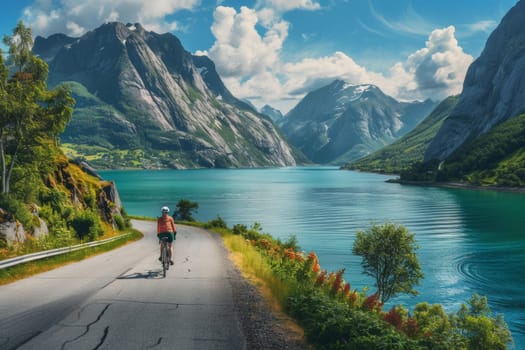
{"x": 172, "y": 238}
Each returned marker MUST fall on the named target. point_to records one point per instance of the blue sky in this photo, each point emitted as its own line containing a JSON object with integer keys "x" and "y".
{"x": 275, "y": 51}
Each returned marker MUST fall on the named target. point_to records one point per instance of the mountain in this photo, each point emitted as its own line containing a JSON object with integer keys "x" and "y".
{"x": 144, "y": 101}
{"x": 341, "y": 122}
{"x": 273, "y": 113}
{"x": 410, "y": 148}
{"x": 493, "y": 91}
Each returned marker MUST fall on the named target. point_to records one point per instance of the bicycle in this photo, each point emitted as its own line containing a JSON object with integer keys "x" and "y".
{"x": 165, "y": 257}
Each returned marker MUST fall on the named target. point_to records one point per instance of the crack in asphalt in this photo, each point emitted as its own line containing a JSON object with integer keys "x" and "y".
{"x": 88, "y": 327}
{"x": 157, "y": 344}
{"x": 103, "y": 339}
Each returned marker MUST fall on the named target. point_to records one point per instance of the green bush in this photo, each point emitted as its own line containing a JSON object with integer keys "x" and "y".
{"x": 120, "y": 222}
{"x": 239, "y": 229}
{"x": 87, "y": 225}
{"x": 55, "y": 198}
{"x": 216, "y": 223}
{"x": 330, "y": 324}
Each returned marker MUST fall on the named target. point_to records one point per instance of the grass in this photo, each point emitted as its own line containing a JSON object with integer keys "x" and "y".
{"x": 18, "y": 272}
{"x": 256, "y": 269}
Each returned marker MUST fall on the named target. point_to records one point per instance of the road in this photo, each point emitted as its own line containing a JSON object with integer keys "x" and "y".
{"x": 119, "y": 300}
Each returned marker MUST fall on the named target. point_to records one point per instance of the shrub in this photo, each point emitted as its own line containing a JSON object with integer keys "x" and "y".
{"x": 120, "y": 222}
{"x": 330, "y": 324}
{"x": 87, "y": 224}
{"x": 239, "y": 229}
{"x": 216, "y": 223}
{"x": 55, "y": 198}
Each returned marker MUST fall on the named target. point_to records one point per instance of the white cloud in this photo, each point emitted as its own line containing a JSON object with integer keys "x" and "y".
{"x": 250, "y": 65}
{"x": 439, "y": 69}
{"x": 482, "y": 26}
{"x": 75, "y": 17}
{"x": 411, "y": 23}
{"x": 288, "y": 5}
{"x": 312, "y": 73}
{"x": 75, "y": 29}
{"x": 239, "y": 49}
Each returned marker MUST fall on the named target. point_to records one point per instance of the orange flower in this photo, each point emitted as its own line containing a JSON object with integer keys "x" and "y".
{"x": 316, "y": 268}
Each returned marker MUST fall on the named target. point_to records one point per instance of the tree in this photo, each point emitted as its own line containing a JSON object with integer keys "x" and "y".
{"x": 30, "y": 114}
{"x": 388, "y": 253}
{"x": 185, "y": 209}
{"x": 478, "y": 328}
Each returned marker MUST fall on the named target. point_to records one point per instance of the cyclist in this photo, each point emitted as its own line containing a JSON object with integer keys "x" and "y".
{"x": 166, "y": 228}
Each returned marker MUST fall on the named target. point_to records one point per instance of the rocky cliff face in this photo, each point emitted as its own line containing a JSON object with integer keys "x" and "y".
{"x": 342, "y": 122}
{"x": 148, "y": 89}
{"x": 494, "y": 87}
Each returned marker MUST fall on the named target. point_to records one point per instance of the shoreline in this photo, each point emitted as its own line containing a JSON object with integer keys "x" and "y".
{"x": 458, "y": 185}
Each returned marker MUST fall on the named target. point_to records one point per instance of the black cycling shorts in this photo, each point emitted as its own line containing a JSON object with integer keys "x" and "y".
{"x": 169, "y": 235}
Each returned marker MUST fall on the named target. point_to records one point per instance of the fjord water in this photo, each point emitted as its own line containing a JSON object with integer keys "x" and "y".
{"x": 470, "y": 241}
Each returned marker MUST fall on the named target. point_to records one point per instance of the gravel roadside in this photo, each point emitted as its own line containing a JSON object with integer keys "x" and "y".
{"x": 262, "y": 327}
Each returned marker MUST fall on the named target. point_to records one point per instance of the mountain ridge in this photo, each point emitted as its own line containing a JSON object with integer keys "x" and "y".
{"x": 341, "y": 122}
{"x": 174, "y": 104}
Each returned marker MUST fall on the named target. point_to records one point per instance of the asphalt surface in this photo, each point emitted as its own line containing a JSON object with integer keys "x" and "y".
{"x": 119, "y": 300}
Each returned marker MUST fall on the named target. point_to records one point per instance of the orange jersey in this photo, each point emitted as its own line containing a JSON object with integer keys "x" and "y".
{"x": 166, "y": 224}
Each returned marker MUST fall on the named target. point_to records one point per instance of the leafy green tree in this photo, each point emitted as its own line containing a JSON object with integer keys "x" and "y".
{"x": 478, "y": 328}
{"x": 31, "y": 116}
{"x": 388, "y": 253}
{"x": 185, "y": 210}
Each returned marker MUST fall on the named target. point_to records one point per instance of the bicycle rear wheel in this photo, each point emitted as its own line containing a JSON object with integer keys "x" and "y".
{"x": 165, "y": 258}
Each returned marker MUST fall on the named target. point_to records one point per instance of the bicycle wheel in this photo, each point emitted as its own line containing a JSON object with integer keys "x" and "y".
{"x": 167, "y": 256}
{"x": 165, "y": 262}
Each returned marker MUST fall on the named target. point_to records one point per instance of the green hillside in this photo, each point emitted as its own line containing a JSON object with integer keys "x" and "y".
{"x": 494, "y": 159}
{"x": 410, "y": 148}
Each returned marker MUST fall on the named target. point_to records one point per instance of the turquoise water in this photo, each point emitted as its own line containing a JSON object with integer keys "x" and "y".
{"x": 470, "y": 241}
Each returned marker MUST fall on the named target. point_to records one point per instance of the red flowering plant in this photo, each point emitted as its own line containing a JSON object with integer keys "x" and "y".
{"x": 337, "y": 283}
{"x": 394, "y": 317}
{"x": 321, "y": 278}
{"x": 373, "y": 303}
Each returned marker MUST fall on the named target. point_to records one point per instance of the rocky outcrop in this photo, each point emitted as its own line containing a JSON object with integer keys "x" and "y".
{"x": 41, "y": 229}
{"x": 342, "y": 122}
{"x": 10, "y": 229}
{"x": 494, "y": 88}
{"x": 109, "y": 203}
{"x": 144, "y": 91}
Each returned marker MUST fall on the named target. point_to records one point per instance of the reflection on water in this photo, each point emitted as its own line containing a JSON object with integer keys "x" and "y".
{"x": 470, "y": 241}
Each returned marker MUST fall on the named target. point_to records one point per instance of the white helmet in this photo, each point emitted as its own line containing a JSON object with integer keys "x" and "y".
{"x": 165, "y": 210}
